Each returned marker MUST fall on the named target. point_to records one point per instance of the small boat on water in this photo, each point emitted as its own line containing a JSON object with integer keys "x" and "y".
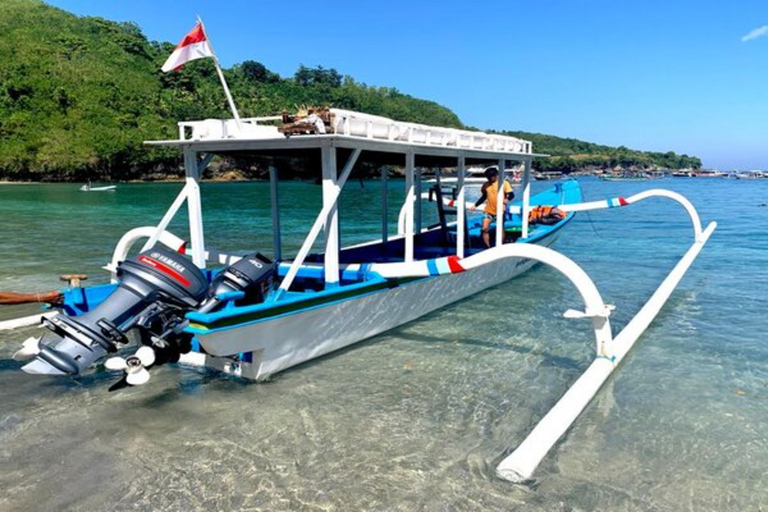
{"x": 105, "y": 188}
{"x": 747, "y": 175}
{"x": 626, "y": 177}
{"x": 251, "y": 316}
{"x": 710, "y": 173}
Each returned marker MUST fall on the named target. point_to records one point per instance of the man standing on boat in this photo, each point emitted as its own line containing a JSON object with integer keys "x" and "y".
{"x": 488, "y": 194}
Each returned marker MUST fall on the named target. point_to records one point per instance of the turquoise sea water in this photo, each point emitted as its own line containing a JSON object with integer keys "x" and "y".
{"x": 417, "y": 418}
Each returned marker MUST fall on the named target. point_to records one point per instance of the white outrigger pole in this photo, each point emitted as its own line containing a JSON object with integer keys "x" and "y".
{"x": 520, "y": 464}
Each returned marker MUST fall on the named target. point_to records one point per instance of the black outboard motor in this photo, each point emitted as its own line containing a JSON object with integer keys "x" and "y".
{"x": 253, "y": 274}
{"x": 154, "y": 282}
{"x": 156, "y": 290}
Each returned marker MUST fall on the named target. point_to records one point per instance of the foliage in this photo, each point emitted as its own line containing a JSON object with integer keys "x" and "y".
{"x": 570, "y": 155}
{"x": 79, "y": 95}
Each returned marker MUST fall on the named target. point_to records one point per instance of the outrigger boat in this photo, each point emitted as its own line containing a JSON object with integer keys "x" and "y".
{"x": 252, "y": 317}
{"x": 105, "y": 188}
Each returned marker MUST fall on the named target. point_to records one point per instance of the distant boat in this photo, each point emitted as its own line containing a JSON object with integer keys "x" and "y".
{"x": 628, "y": 176}
{"x": 548, "y": 175}
{"x": 747, "y": 175}
{"x": 624, "y": 178}
{"x": 107, "y": 188}
{"x": 710, "y": 174}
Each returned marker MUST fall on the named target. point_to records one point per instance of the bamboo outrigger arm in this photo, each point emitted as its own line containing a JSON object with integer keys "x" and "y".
{"x": 622, "y": 201}
{"x": 12, "y": 298}
{"x": 602, "y": 204}
{"x": 520, "y": 465}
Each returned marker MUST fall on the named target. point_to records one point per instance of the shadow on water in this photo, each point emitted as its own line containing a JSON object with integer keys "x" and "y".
{"x": 548, "y": 359}
{"x": 10, "y": 365}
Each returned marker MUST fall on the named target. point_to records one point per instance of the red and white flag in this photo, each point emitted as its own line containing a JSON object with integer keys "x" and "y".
{"x": 193, "y": 46}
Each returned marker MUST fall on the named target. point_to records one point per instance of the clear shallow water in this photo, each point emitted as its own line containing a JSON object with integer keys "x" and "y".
{"x": 417, "y": 418}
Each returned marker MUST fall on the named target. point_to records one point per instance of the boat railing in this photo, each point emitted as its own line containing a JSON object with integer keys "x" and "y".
{"x": 357, "y": 125}
{"x": 248, "y": 128}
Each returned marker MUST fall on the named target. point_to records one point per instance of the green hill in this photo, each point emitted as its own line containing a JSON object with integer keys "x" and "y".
{"x": 574, "y": 155}
{"x": 79, "y": 95}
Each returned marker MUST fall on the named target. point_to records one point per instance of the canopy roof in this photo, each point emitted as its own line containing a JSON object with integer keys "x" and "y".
{"x": 379, "y": 137}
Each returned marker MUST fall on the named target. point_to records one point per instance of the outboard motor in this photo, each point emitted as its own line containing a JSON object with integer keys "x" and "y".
{"x": 253, "y": 275}
{"x": 155, "y": 291}
{"x": 151, "y": 284}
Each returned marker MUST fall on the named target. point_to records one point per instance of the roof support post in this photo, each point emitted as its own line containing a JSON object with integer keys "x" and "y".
{"x": 194, "y": 171}
{"x": 329, "y": 203}
{"x": 417, "y": 206}
{"x": 500, "y": 210}
{"x": 384, "y": 205}
{"x": 183, "y": 195}
{"x": 460, "y": 208}
{"x": 277, "y": 244}
{"x": 169, "y": 215}
{"x": 318, "y": 225}
{"x": 410, "y": 159}
{"x": 526, "y": 186}
{"x": 331, "y": 191}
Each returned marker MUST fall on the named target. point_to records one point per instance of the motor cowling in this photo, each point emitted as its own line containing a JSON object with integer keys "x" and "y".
{"x": 156, "y": 281}
{"x": 253, "y": 275}
{"x": 155, "y": 291}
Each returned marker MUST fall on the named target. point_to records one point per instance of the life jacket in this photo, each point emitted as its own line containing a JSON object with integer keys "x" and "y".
{"x": 545, "y": 215}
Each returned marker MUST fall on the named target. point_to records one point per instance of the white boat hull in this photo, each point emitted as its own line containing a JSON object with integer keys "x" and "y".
{"x": 108, "y": 188}
{"x": 282, "y": 342}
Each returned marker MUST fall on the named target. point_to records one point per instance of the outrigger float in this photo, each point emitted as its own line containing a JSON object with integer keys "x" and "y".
{"x": 252, "y": 317}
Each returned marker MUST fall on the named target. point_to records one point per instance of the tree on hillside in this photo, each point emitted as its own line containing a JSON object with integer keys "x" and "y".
{"x": 258, "y": 72}
{"x": 317, "y": 76}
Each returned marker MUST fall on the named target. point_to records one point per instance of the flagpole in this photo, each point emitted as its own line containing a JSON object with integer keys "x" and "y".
{"x": 221, "y": 76}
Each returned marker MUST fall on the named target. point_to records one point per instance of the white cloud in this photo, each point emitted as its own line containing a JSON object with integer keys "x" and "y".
{"x": 754, "y": 34}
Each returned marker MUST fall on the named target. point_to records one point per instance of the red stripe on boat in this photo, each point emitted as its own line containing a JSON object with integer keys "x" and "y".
{"x": 182, "y": 248}
{"x": 454, "y": 263}
{"x": 165, "y": 269}
{"x": 623, "y": 202}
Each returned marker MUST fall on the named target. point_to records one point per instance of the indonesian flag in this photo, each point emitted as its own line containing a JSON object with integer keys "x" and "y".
{"x": 193, "y": 46}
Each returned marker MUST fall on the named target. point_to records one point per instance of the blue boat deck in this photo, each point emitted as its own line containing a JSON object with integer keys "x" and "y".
{"x": 309, "y": 289}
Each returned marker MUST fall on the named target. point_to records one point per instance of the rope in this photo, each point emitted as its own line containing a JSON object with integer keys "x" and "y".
{"x": 592, "y": 224}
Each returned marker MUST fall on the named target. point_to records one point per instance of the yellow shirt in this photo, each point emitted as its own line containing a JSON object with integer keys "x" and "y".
{"x": 492, "y": 192}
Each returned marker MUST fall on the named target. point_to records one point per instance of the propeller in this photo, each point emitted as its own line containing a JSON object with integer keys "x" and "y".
{"x": 135, "y": 366}
{"x": 29, "y": 349}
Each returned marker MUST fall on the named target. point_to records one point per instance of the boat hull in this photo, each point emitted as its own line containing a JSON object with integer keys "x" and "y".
{"x": 278, "y": 343}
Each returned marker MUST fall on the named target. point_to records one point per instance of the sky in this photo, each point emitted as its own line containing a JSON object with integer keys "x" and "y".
{"x": 676, "y": 75}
